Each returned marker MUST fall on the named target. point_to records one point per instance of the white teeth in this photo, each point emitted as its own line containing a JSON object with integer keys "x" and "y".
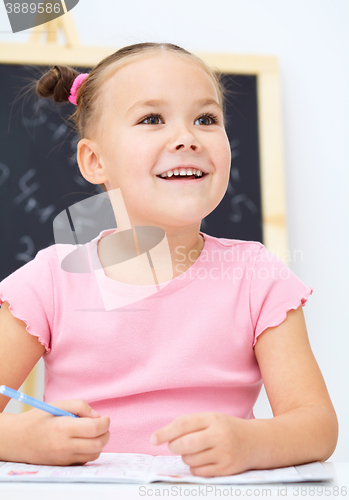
{"x": 183, "y": 172}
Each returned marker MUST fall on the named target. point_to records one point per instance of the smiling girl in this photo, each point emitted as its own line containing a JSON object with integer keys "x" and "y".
{"x": 179, "y": 371}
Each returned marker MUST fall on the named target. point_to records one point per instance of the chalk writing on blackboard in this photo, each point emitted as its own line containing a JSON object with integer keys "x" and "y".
{"x": 26, "y": 190}
{"x": 28, "y": 253}
{"x": 4, "y": 173}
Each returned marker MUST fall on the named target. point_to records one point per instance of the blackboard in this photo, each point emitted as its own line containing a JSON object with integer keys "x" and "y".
{"x": 39, "y": 175}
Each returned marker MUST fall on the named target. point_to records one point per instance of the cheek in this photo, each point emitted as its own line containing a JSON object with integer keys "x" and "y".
{"x": 141, "y": 140}
{"x": 222, "y": 162}
{"x": 218, "y": 142}
{"x": 138, "y": 155}
{"x": 222, "y": 154}
{"x": 226, "y": 150}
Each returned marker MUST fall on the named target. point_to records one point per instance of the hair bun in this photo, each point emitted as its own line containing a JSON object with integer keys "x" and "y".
{"x": 57, "y": 83}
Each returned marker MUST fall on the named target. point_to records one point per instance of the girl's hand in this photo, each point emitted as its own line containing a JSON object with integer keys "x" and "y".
{"x": 44, "y": 439}
{"x": 212, "y": 444}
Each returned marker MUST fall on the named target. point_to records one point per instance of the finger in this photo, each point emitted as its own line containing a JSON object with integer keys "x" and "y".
{"x": 180, "y": 426}
{"x": 212, "y": 463}
{"x": 82, "y": 458}
{"x": 205, "y": 457}
{"x": 193, "y": 442}
{"x": 209, "y": 470}
{"x": 89, "y": 445}
{"x": 86, "y": 427}
{"x": 77, "y": 407}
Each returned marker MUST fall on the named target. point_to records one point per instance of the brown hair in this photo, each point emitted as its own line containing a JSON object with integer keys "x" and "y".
{"x": 59, "y": 79}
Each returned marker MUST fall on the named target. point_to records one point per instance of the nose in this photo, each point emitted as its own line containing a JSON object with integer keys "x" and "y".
{"x": 184, "y": 139}
{"x": 192, "y": 146}
{"x": 183, "y": 136}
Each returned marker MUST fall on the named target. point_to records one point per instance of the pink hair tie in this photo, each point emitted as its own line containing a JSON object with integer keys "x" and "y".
{"x": 74, "y": 88}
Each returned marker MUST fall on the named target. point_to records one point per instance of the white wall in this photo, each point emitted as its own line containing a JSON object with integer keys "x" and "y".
{"x": 311, "y": 40}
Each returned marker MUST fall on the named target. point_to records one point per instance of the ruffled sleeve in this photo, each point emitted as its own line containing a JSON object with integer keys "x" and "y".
{"x": 274, "y": 291}
{"x": 28, "y": 290}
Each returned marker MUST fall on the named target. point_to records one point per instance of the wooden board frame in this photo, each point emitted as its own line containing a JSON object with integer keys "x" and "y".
{"x": 269, "y": 113}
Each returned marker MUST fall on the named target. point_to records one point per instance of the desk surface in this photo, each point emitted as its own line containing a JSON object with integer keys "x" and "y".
{"x": 338, "y": 488}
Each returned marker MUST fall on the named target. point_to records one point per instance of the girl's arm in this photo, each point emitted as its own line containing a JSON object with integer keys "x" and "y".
{"x": 305, "y": 427}
{"x": 36, "y": 436}
{"x": 19, "y": 352}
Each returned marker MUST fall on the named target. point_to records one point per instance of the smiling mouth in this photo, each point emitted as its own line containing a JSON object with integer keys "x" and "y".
{"x": 175, "y": 178}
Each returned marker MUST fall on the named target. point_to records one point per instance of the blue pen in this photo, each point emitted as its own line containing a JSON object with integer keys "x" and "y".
{"x": 23, "y": 398}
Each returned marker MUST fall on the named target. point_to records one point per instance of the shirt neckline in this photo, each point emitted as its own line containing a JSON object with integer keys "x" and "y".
{"x": 127, "y": 290}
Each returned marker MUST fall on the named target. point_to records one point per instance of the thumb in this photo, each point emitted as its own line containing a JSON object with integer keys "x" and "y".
{"x": 77, "y": 407}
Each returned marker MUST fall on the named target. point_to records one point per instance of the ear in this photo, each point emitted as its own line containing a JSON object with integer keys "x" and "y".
{"x": 88, "y": 161}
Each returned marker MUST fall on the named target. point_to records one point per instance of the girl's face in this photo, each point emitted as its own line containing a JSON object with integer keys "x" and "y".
{"x": 137, "y": 141}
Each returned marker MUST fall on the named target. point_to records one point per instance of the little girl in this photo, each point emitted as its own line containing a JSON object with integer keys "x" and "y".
{"x": 168, "y": 358}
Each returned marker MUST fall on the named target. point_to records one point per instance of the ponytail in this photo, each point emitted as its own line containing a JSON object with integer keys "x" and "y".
{"x": 57, "y": 83}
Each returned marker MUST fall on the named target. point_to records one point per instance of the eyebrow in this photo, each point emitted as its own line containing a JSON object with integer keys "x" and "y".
{"x": 153, "y": 103}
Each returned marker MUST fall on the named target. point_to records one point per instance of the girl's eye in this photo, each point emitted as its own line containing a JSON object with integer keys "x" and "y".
{"x": 153, "y": 115}
{"x": 213, "y": 118}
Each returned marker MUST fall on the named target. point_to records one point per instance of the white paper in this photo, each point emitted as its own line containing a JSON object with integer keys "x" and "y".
{"x": 141, "y": 469}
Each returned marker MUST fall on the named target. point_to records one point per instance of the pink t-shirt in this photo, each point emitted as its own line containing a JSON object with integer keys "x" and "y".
{"x": 185, "y": 348}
